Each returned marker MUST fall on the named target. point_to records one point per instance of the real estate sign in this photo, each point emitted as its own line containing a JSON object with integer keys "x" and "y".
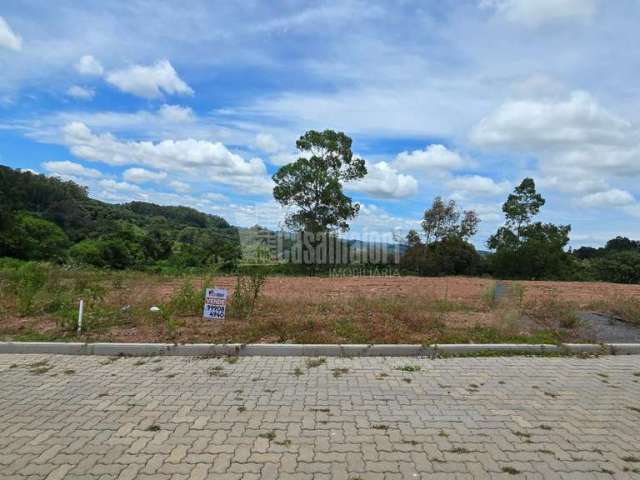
{"x": 215, "y": 303}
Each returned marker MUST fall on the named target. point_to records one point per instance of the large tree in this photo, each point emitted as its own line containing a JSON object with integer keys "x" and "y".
{"x": 527, "y": 249}
{"x": 312, "y": 185}
{"x": 443, "y": 221}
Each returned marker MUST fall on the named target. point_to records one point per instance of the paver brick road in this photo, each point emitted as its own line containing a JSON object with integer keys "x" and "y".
{"x": 185, "y": 418}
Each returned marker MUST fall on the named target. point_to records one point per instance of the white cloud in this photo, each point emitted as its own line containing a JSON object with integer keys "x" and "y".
{"x": 434, "y": 158}
{"x": 283, "y": 158}
{"x": 67, "y": 168}
{"x": 89, "y": 65}
{"x": 579, "y": 144}
{"x": 267, "y": 142}
{"x": 149, "y": 81}
{"x": 216, "y": 197}
{"x": 180, "y": 187}
{"x": 198, "y": 158}
{"x": 141, "y": 175}
{"x": 383, "y": 181}
{"x": 475, "y": 185}
{"x": 534, "y": 13}
{"x": 176, "y": 113}
{"x": 543, "y": 124}
{"x": 8, "y": 38}
{"x": 374, "y": 223}
{"x": 83, "y": 93}
{"x": 610, "y": 198}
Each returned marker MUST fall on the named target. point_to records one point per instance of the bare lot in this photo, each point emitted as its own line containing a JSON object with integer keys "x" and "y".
{"x": 314, "y": 309}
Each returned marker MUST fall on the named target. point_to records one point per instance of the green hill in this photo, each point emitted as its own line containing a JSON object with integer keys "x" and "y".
{"x": 45, "y": 218}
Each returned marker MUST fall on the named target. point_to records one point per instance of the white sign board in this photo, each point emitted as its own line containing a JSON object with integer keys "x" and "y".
{"x": 215, "y": 303}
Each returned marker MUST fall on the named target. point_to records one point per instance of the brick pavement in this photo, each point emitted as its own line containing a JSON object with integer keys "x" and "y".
{"x": 79, "y": 417}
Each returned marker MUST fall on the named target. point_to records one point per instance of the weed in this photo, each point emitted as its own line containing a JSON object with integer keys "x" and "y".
{"x": 489, "y": 296}
{"x": 29, "y": 279}
{"x": 249, "y": 284}
{"x": 345, "y": 328}
{"x": 511, "y": 470}
{"x": 409, "y": 368}
{"x": 269, "y": 435}
{"x": 406, "y": 380}
{"x": 231, "y": 359}
{"x": 552, "y": 395}
{"x": 139, "y": 363}
{"x": 338, "y": 372}
{"x": 242, "y": 409}
{"x": 186, "y": 300}
{"x": 315, "y": 362}
{"x": 521, "y": 434}
{"x": 40, "y": 370}
{"x": 459, "y": 450}
{"x": 443, "y": 434}
{"x": 217, "y": 371}
{"x": 545, "y": 427}
{"x": 630, "y": 459}
{"x": 284, "y": 443}
{"x": 322, "y": 410}
{"x": 297, "y": 372}
{"x": 380, "y": 427}
{"x": 411, "y": 442}
{"x": 153, "y": 428}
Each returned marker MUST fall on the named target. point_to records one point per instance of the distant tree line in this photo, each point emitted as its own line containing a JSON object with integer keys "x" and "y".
{"x": 45, "y": 218}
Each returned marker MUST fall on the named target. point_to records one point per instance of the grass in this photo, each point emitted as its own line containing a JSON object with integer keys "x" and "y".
{"x": 315, "y": 362}
{"x": 409, "y": 368}
{"x": 268, "y": 435}
{"x": 41, "y": 302}
{"x": 511, "y": 470}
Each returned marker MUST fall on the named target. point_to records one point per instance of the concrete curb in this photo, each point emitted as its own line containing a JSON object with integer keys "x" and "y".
{"x": 297, "y": 350}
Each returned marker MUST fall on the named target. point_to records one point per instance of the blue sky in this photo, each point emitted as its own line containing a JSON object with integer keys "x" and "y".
{"x": 199, "y": 104}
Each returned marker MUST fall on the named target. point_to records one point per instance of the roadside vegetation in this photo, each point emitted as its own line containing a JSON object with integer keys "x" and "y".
{"x": 39, "y": 301}
{"x": 141, "y": 268}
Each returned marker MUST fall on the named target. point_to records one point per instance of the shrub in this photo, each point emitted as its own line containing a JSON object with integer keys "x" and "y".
{"x": 28, "y": 281}
{"x": 112, "y": 253}
{"x": 187, "y": 300}
{"x": 618, "y": 266}
{"x": 249, "y": 283}
{"x": 33, "y": 238}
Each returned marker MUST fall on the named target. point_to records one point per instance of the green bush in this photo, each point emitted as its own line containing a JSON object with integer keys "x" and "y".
{"x": 187, "y": 300}
{"x": 31, "y": 238}
{"x": 113, "y": 253}
{"x": 618, "y": 266}
{"x": 29, "y": 280}
{"x": 249, "y": 283}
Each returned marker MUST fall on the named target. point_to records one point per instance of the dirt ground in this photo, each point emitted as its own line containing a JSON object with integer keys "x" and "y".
{"x": 342, "y": 310}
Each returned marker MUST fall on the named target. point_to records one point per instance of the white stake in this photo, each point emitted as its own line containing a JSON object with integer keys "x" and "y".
{"x": 80, "y": 311}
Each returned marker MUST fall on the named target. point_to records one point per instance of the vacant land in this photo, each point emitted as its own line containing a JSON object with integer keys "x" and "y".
{"x": 43, "y": 306}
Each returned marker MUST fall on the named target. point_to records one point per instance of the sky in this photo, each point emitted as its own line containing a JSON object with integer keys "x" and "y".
{"x": 199, "y": 103}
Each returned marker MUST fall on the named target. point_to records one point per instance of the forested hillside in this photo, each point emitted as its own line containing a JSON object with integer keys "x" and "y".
{"x": 45, "y": 218}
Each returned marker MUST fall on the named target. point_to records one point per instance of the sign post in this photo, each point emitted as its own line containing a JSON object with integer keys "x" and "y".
{"x": 215, "y": 303}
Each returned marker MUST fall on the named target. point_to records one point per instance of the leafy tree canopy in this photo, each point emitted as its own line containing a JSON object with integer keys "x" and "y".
{"x": 443, "y": 220}
{"x": 313, "y": 184}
